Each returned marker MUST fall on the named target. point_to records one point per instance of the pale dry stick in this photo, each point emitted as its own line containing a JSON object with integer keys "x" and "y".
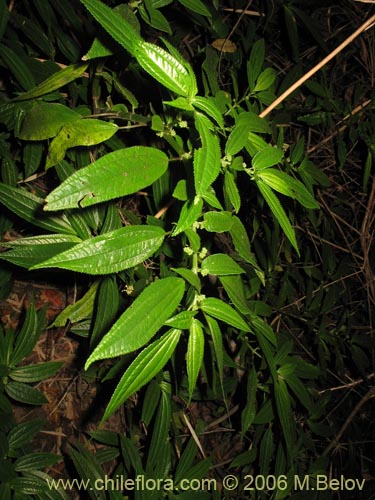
{"x": 338, "y": 131}
{"x": 194, "y": 435}
{"x": 367, "y": 24}
{"x": 348, "y": 385}
{"x": 369, "y": 394}
{"x": 253, "y": 13}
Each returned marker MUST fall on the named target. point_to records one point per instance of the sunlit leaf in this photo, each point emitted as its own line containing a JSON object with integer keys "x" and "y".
{"x": 129, "y": 170}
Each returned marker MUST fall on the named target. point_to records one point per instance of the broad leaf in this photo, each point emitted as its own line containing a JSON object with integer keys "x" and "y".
{"x": 194, "y": 355}
{"x": 139, "y": 323}
{"x": 44, "y": 120}
{"x": 129, "y": 170}
{"x": 110, "y": 252}
{"x": 79, "y": 133}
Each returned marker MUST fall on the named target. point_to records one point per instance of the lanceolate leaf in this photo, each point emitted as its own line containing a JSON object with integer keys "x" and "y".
{"x": 116, "y": 174}
{"x": 139, "y": 323}
{"x": 54, "y": 82}
{"x": 79, "y": 133}
{"x": 220, "y": 264}
{"x": 29, "y": 207}
{"x": 27, "y": 252}
{"x": 210, "y": 108}
{"x": 109, "y": 252}
{"x": 284, "y": 411}
{"x": 81, "y": 309}
{"x": 119, "y": 29}
{"x": 285, "y": 184}
{"x": 278, "y": 212}
{"x": 165, "y": 68}
{"x": 146, "y": 365}
{"x": 267, "y": 158}
{"x": 190, "y": 213}
{"x": 223, "y": 311}
{"x": 194, "y": 355}
{"x": 207, "y": 158}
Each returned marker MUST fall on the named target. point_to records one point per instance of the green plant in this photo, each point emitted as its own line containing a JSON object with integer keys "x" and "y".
{"x": 176, "y": 204}
{"x": 20, "y": 468}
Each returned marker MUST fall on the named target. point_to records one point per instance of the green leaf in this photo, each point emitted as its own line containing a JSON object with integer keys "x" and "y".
{"x": 154, "y": 17}
{"x": 265, "y": 80}
{"x": 246, "y": 122}
{"x": 267, "y": 158}
{"x": 210, "y": 108}
{"x": 220, "y": 264}
{"x": 27, "y": 252}
{"x": 107, "y": 303}
{"x": 35, "y": 461}
{"x": 17, "y": 67}
{"x": 54, "y": 82}
{"x": 166, "y": 69}
{"x": 81, "y": 309}
{"x": 284, "y": 411}
{"x": 217, "y": 222}
{"x": 287, "y": 185}
{"x": 85, "y": 132}
{"x": 217, "y": 340}
{"x": 231, "y": 191}
{"x": 119, "y": 29}
{"x": 139, "y": 323}
{"x": 24, "y": 393}
{"x": 189, "y": 276}
{"x": 110, "y": 252}
{"x": 255, "y": 63}
{"x": 128, "y": 169}
{"x": 207, "y": 158}
{"x": 182, "y": 320}
{"x": 278, "y": 212}
{"x": 223, "y": 311}
{"x": 29, "y": 207}
{"x": 190, "y": 213}
{"x": 241, "y": 241}
{"x": 23, "y": 433}
{"x": 234, "y": 287}
{"x": 44, "y": 120}
{"x": 196, "y": 6}
{"x": 249, "y": 412}
{"x": 36, "y": 372}
{"x": 262, "y": 328}
{"x": 27, "y": 336}
{"x": 146, "y": 365}
{"x": 194, "y": 355}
